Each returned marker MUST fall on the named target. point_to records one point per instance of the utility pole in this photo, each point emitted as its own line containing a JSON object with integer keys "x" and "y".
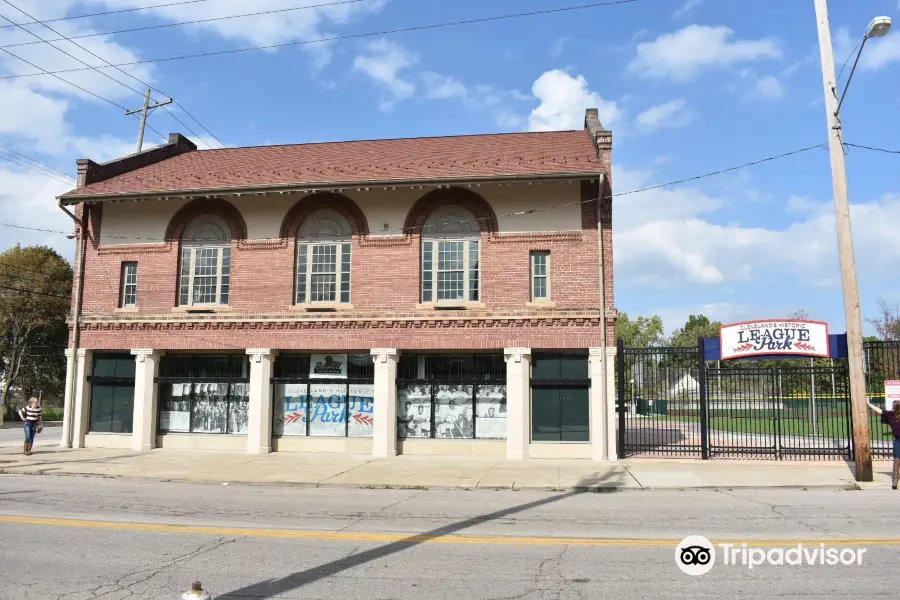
{"x": 862, "y": 443}
{"x": 145, "y": 110}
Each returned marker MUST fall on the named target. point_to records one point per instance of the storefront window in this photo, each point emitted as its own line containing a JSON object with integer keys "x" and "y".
{"x": 324, "y": 395}
{"x": 112, "y": 394}
{"x": 204, "y": 394}
{"x": 560, "y": 398}
{"x": 451, "y": 397}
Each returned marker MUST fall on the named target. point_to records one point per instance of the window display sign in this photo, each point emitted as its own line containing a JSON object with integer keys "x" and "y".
{"x": 291, "y": 409}
{"x": 453, "y": 412}
{"x": 413, "y": 411}
{"x": 179, "y": 419}
{"x": 328, "y": 366}
{"x": 490, "y": 410}
{"x": 328, "y": 409}
{"x": 362, "y": 410}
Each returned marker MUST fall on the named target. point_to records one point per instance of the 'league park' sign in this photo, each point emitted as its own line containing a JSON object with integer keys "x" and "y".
{"x": 766, "y": 338}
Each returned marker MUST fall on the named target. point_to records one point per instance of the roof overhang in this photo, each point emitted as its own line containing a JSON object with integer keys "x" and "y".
{"x": 332, "y": 186}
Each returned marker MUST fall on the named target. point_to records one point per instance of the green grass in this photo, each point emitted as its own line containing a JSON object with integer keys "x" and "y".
{"x": 789, "y": 423}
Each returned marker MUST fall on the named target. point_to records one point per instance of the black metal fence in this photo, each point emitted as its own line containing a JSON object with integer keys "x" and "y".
{"x": 672, "y": 403}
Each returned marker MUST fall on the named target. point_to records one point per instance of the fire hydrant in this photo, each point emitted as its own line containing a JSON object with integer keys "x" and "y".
{"x": 196, "y": 593}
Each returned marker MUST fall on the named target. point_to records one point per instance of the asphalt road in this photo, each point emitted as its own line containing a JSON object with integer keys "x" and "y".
{"x": 15, "y": 437}
{"x": 89, "y": 538}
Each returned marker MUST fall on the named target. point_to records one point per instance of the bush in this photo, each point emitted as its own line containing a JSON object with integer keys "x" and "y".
{"x": 49, "y": 414}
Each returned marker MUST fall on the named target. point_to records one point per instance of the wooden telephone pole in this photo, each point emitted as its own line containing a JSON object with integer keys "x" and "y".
{"x": 145, "y": 110}
{"x": 862, "y": 443}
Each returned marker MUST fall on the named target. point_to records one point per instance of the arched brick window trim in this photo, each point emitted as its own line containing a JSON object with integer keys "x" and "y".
{"x": 339, "y": 203}
{"x": 206, "y": 206}
{"x": 474, "y": 203}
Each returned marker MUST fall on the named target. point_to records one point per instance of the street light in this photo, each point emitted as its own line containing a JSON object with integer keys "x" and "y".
{"x": 879, "y": 27}
{"x": 862, "y": 441}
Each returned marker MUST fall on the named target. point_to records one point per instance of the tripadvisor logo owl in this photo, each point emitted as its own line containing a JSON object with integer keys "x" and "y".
{"x": 696, "y": 555}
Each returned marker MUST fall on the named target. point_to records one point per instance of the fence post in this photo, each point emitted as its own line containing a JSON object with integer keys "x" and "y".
{"x": 620, "y": 392}
{"x": 704, "y": 416}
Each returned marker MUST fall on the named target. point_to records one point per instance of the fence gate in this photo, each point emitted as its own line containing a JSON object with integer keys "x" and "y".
{"x": 672, "y": 403}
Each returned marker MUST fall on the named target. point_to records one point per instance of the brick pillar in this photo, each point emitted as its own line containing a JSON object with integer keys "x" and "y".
{"x": 82, "y": 404}
{"x": 518, "y": 402}
{"x": 603, "y": 433}
{"x": 146, "y": 399}
{"x": 384, "y": 436}
{"x": 259, "y": 434}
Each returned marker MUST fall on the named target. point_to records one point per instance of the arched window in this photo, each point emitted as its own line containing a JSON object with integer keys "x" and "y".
{"x": 450, "y": 257}
{"x": 205, "y": 272}
{"x": 323, "y": 259}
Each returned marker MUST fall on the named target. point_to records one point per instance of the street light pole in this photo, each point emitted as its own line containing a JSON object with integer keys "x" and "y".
{"x": 862, "y": 442}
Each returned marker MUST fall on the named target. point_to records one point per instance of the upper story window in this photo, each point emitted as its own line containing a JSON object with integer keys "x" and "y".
{"x": 540, "y": 276}
{"x": 323, "y": 259}
{"x": 205, "y": 271}
{"x": 128, "y": 293}
{"x": 450, "y": 257}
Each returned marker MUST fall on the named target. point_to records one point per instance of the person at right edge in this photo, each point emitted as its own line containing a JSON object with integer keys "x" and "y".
{"x": 892, "y": 418}
{"x": 31, "y": 415}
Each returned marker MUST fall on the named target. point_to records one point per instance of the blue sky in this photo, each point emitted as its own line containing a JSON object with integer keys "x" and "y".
{"x": 687, "y": 86}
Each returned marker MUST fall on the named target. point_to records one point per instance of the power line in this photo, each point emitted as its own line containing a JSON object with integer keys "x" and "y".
{"x": 849, "y": 57}
{"x": 35, "y": 292}
{"x": 885, "y": 150}
{"x": 37, "y": 162}
{"x": 110, "y": 77}
{"x": 109, "y": 12}
{"x": 23, "y": 164}
{"x": 512, "y": 214}
{"x": 350, "y": 36}
{"x": 194, "y": 22}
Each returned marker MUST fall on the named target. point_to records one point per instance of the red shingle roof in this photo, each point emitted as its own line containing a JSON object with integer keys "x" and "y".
{"x": 378, "y": 161}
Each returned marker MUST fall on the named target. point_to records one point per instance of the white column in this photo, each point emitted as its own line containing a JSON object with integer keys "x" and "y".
{"x": 600, "y": 413}
{"x": 518, "y": 402}
{"x": 611, "y": 414}
{"x": 384, "y": 436}
{"x": 259, "y": 434}
{"x": 146, "y": 399}
{"x": 82, "y": 397}
{"x": 68, "y": 402}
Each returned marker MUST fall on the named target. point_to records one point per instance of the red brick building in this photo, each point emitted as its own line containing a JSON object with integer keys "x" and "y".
{"x": 429, "y": 295}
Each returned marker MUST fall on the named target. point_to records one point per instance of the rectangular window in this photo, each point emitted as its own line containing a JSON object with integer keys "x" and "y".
{"x": 339, "y": 406}
{"x": 112, "y": 394}
{"x": 450, "y": 271}
{"x": 205, "y": 275}
{"x": 204, "y": 394}
{"x": 323, "y": 273}
{"x": 451, "y": 397}
{"x": 128, "y": 292}
{"x": 540, "y": 276}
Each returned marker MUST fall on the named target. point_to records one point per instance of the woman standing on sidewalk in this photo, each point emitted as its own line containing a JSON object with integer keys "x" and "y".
{"x": 34, "y": 422}
{"x": 892, "y": 418}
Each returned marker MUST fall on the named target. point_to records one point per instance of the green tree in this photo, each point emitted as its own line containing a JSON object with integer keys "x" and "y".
{"x": 35, "y": 291}
{"x": 642, "y": 332}
{"x": 697, "y": 326}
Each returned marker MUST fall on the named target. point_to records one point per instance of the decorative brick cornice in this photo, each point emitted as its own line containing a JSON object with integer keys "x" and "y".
{"x": 135, "y": 248}
{"x": 339, "y": 203}
{"x": 205, "y": 206}
{"x": 385, "y": 241}
{"x": 537, "y": 237}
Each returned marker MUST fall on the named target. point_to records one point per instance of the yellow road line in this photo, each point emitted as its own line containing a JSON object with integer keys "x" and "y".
{"x": 432, "y": 539}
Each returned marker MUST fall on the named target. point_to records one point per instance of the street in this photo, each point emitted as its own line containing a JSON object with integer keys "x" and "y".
{"x": 14, "y": 436}
{"x": 85, "y": 538}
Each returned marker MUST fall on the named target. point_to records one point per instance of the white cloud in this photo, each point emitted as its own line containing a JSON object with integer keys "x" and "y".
{"x": 687, "y": 7}
{"x": 26, "y": 198}
{"x": 563, "y": 100}
{"x": 802, "y": 204}
{"x": 558, "y": 46}
{"x": 768, "y": 88}
{"x": 725, "y": 312}
{"x": 668, "y": 238}
{"x": 670, "y": 114}
{"x": 684, "y": 55}
{"x": 384, "y": 62}
{"x": 442, "y": 87}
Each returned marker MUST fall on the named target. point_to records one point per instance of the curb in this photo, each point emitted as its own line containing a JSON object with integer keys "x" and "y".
{"x": 513, "y": 488}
